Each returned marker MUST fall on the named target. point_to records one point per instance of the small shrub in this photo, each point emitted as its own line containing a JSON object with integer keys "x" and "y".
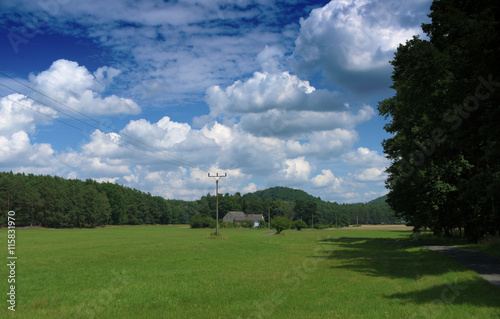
{"x": 320, "y": 226}
{"x": 299, "y": 224}
{"x": 198, "y": 221}
{"x": 262, "y": 223}
{"x": 281, "y": 223}
{"x": 209, "y": 222}
{"x": 246, "y": 224}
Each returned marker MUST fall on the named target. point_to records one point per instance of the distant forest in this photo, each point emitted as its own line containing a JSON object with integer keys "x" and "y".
{"x": 55, "y": 202}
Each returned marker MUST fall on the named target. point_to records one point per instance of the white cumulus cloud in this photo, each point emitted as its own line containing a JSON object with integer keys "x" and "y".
{"x": 297, "y": 169}
{"x": 326, "y": 179}
{"x": 352, "y": 41}
{"x": 74, "y": 86}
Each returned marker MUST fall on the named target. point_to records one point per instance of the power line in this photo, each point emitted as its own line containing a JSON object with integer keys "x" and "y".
{"x": 84, "y": 131}
{"x": 137, "y": 143}
{"x": 170, "y": 159}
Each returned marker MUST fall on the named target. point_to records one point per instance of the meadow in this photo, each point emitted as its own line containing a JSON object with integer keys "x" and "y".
{"x": 177, "y": 272}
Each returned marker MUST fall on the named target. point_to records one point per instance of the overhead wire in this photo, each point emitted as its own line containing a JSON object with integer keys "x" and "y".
{"x": 168, "y": 159}
{"x": 84, "y": 131}
{"x": 136, "y": 142}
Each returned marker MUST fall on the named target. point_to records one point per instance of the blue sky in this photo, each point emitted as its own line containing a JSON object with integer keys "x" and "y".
{"x": 156, "y": 94}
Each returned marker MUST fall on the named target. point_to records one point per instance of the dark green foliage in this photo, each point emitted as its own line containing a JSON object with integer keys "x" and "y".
{"x": 262, "y": 223}
{"x": 323, "y": 226}
{"x": 281, "y": 223}
{"x": 445, "y": 172}
{"x": 56, "y": 202}
{"x": 283, "y": 193}
{"x": 307, "y": 211}
{"x": 380, "y": 200}
{"x": 199, "y": 221}
{"x": 299, "y": 224}
{"x": 303, "y": 207}
{"x": 247, "y": 224}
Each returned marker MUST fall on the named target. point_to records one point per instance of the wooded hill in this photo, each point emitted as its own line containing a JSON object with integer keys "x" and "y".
{"x": 51, "y": 201}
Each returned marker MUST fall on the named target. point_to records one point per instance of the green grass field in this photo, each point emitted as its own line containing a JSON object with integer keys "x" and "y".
{"x": 172, "y": 272}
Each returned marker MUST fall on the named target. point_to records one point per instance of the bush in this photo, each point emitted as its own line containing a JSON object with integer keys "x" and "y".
{"x": 246, "y": 224}
{"x": 198, "y": 221}
{"x": 299, "y": 224}
{"x": 281, "y": 223}
{"x": 209, "y": 222}
{"x": 262, "y": 223}
{"x": 321, "y": 226}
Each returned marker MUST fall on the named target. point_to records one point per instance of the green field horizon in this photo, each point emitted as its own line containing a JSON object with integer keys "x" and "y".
{"x": 178, "y": 272}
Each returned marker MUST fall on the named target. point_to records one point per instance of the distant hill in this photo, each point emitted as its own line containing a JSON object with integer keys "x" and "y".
{"x": 379, "y": 200}
{"x": 284, "y": 194}
{"x": 291, "y": 195}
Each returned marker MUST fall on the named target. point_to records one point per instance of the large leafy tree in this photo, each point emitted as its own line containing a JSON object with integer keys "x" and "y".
{"x": 444, "y": 117}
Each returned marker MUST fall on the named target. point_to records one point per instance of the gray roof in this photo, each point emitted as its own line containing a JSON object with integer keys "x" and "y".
{"x": 241, "y": 216}
{"x": 255, "y": 217}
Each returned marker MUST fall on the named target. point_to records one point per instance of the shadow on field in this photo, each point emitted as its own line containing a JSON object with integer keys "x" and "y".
{"x": 393, "y": 260}
{"x": 387, "y": 259}
{"x": 473, "y": 292}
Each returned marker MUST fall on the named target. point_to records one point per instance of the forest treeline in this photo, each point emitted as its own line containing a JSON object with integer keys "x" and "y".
{"x": 51, "y": 201}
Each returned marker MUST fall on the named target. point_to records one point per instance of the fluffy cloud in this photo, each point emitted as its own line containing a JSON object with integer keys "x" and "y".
{"x": 351, "y": 41}
{"x": 18, "y": 113}
{"x": 268, "y": 91}
{"x": 364, "y": 157}
{"x": 250, "y": 153}
{"x": 296, "y": 169}
{"x": 371, "y": 175}
{"x": 11, "y": 148}
{"x": 185, "y": 183}
{"x": 82, "y": 166}
{"x": 166, "y": 144}
{"x": 326, "y": 179}
{"x": 288, "y": 124}
{"x": 324, "y": 145}
{"x": 74, "y": 86}
{"x": 18, "y": 154}
{"x": 163, "y": 134}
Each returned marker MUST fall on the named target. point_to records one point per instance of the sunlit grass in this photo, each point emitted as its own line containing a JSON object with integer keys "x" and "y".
{"x": 171, "y": 272}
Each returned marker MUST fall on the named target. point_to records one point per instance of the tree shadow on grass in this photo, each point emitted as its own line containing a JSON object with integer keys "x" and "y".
{"x": 393, "y": 260}
{"x": 387, "y": 259}
{"x": 475, "y": 292}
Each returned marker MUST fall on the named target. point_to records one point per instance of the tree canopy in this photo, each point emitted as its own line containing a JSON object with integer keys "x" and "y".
{"x": 444, "y": 150}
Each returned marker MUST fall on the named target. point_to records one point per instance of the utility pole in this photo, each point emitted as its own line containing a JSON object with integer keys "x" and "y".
{"x": 269, "y": 217}
{"x": 217, "y": 177}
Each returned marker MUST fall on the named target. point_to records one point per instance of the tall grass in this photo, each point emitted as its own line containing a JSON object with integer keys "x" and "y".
{"x": 171, "y": 272}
